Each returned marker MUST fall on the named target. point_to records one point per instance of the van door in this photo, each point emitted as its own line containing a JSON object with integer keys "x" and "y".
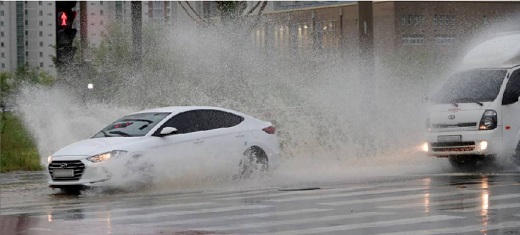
{"x": 511, "y": 111}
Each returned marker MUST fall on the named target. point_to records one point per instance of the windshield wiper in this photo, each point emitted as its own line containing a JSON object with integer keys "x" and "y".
{"x": 120, "y": 133}
{"x": 472, "y": 100}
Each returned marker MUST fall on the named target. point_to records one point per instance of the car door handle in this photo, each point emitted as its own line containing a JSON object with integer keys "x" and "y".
{"x": 198, "y": 141}
{"x": 240, "y": 135}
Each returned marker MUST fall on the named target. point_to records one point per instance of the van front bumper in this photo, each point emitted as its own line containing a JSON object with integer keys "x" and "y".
{"x": 480, "y": 143}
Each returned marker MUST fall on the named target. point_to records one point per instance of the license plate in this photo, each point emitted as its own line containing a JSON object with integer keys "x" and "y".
{"x": 62, "y": 173}
{"x": 449, "y": 138}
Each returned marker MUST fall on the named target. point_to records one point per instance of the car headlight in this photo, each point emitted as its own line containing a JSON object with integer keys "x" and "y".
{"x": 488, "y": 120}
{"x": 49, "y": 159}
{"x": 106, "y": 156}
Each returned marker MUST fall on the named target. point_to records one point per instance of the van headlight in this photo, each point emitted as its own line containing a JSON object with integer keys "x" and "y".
{"x": 488, "y": 120}
{"x": 106, "y": 156}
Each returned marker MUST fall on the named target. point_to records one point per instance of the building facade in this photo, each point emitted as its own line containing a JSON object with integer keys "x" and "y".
{"x": 28, "y": 28}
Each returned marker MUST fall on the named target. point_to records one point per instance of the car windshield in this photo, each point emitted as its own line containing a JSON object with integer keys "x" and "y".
{"x": 471, "y": 87}
{"x": 132, "y": 125}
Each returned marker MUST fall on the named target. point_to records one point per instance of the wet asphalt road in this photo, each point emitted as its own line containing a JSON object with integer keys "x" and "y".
{"x": 447, "y": 203}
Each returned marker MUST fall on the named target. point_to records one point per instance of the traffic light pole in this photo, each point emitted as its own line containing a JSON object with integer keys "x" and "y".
{"x": 83, "y": 25}
{"x": 137, "y": 34}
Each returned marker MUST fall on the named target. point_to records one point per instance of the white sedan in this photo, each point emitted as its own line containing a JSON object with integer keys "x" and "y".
{"x": 166, "y": 139}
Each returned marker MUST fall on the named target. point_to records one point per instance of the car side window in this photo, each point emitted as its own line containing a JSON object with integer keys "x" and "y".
{"x": 185, "y": 122}
{"x": 214, "y": 119}
{"x": 512, "y": 91}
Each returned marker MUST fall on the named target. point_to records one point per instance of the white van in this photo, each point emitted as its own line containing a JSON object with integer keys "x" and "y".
{"x": 475, "y": 114}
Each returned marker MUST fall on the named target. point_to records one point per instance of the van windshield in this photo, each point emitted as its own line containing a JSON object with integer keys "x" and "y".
{"x": 471, "y": 86}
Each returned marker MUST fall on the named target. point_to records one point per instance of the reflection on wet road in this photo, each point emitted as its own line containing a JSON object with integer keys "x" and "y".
{"x": 451, "y": 203}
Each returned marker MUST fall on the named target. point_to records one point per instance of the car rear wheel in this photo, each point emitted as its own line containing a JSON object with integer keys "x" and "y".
{"x": 254, "y": 161}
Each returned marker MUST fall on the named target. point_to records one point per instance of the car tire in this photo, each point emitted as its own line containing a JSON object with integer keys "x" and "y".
{"x": 253, "y": 162}
{"x": 141, "y": 173}
{"x": 465, "y": 164}
{"x": 72, "y": 190}
{"x": 516, "y": 155}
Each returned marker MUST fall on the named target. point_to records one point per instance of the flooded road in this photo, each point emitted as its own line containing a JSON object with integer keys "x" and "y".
{"x": 433, "y": 203}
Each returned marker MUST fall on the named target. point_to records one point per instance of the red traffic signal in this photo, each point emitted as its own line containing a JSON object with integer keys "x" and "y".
{"x": 65, "y": 18}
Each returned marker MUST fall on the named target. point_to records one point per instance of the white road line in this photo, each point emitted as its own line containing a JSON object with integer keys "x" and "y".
{"x": 292, "y": 222}
{"x": 393, "y": 198}
{"x": 494, "y": 207}
{"x": 289, "y": 193}
{"x": 234, "y": 217}
{"x": 442, "y": 203}
{"x": 479, "y": 228}
{"x": 380, "y": 191}
{"x": 177, "y": 213}
{"x": 120, "y": 210}
{"x": 327, "y": 229}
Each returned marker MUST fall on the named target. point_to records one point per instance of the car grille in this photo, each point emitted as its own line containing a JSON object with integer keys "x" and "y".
{"x": 77, "y": 166}
{"x": 453, "y": 146}
{"x": 464, "y": 124}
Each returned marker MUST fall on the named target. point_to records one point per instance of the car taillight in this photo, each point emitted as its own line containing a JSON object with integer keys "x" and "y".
{"x": 269, "y": 130}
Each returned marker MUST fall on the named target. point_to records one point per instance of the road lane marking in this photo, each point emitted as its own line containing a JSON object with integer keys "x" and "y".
{"x": 493, "y": 207}
{"x": 291, "y": 222}
{"x": 443, "y": 203}
{"x": 177, "y": 213}
{"x": 328, "y": 229}
{"x": 304, "y": 192}
{"x": 479, "y": 228}
{"x": 350, "y": 194}
{"x": 234, "y": 217}
{"x": 394, "y": 198}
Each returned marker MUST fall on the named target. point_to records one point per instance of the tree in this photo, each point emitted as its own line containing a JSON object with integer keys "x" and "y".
{"x": 10, "y": 82}
{"x": 229, "y": 12}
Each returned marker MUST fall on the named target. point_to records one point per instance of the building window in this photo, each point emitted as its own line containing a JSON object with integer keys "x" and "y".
{"x": 2, "y": 34}
{"x": 2, "y": 13}
{"x": 413, "y": 40}
{"x": 41, "y": 64}
{"x": 3, "y": 55}
{"x": 444, "y": 39}
{"x": 41, "y": 33}
{"x": 101, "y": 12}
{"x": 3, "y": 65}
{"x": 40, "y": 23}
{"x": 26, "y": 32}
{"x": 40, "y": 3}
{"x": 41, "y": 44}
{"x": 93, "y": 14}
{"x": 101, "y": 3}
{"x": 100, "y": 22}
{"x": 2, "y": 44}
{"x": 41, "y": 13}
{"x": 444, "y": 20}
{"x": 1, "y": 23}
{"x": 41, "y": 54}
{"x": 26, "y": 54}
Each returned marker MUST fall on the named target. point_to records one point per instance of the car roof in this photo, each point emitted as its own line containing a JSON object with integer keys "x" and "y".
{"x": 180, "y": 109}
{"x": 502, "y": 51}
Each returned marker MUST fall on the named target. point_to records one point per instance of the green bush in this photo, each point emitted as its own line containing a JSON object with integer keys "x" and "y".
{"x": 17, "y": 151}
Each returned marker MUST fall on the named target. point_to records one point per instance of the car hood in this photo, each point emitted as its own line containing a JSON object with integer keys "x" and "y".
{"x": 446, "y": 117}
{"x": 90, "y": 147}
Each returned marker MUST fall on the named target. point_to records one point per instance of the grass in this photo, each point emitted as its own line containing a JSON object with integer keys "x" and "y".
{"x": 17, "y": 151}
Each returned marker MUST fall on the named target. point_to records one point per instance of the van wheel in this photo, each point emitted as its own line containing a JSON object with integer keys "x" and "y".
{"x": 254, "y": 161}
{"x": 465, "y": 164}
{"x": 516, "y": 155}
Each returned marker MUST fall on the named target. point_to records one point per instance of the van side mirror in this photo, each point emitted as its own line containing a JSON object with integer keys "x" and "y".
{"x": 168, "y": 131}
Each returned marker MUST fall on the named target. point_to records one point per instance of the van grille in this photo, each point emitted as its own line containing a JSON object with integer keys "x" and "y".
{"x": 463, "y": 124}
{"x": 453, "y": 146}
{"x": 76, "y": 166}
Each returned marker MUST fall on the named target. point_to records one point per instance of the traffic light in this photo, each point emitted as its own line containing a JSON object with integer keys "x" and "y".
{"x": 65, "y": 32}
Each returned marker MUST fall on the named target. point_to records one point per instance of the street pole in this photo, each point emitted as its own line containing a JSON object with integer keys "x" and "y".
{"x": 83, "y": 29}
{"x": 366, "y": 69}
{"x": 137, "y": 21}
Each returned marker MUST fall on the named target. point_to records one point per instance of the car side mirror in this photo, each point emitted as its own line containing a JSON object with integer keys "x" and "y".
{"x": 168, "y": 131}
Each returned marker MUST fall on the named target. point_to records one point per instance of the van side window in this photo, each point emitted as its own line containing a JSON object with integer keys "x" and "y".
{"x": 512, "y": 91}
